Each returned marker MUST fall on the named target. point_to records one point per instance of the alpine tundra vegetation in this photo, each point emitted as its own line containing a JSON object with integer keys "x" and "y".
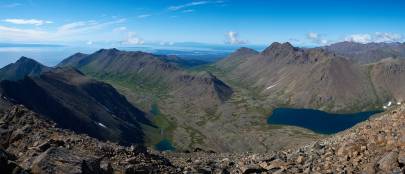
{"x": 202, "y": 86}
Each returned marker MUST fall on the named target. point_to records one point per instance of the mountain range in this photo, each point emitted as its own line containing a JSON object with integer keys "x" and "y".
{"x": 369, "y": 52}
{"x": 152, "y": 72}
{"x": 316, "y": 78}
{"x": 170, "y": 98}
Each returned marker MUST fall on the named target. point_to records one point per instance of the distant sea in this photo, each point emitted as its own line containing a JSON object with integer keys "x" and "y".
{"x": 51, "y": 55}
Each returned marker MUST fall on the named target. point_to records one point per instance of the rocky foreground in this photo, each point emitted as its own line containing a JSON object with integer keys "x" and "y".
{"x": 30, "y": 144}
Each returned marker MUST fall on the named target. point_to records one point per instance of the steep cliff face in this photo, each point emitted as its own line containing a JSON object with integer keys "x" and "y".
{"x": 388, "y": 78}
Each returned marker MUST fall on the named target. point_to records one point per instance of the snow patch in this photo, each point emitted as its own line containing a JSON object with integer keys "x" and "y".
{"x": 390, "y": 103}
{"x": 101, "y": 124}
{"x": 276, "y": 83}
{"x": 271, "y": 86}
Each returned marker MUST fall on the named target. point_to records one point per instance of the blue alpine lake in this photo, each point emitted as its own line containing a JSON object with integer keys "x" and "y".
{"x": 317, "y": 121}
{"x": 164, "y": 145}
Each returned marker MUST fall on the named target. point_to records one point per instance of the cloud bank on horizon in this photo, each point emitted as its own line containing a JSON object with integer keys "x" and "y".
{"x": 127, "y": 22}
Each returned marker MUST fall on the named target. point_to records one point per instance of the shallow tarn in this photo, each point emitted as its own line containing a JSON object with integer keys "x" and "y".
{"x": 164, "y": 145}
{"x": 317, "y": 121}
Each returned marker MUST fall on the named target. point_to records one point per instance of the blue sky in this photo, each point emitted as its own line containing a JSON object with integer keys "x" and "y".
{"x": 232, "y": 22}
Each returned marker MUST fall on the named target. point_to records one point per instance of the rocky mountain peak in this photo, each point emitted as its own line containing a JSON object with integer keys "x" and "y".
{"x": 79, "y": 54}
{"x": 27, "y": 61}
{"x": 108, "y": 51}
{"x": 245, "y": 51}
{"x": 21, "y": 68}
{"x": 277, "y": 47}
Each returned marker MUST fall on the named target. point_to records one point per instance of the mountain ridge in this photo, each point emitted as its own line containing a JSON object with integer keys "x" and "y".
{"x": 21, "y": 68}
{"x": 310, "y": 78}
{"x": 369, "y": 52}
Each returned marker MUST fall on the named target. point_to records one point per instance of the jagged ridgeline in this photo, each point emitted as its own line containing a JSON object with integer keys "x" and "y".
{"x": 318, "y": 77}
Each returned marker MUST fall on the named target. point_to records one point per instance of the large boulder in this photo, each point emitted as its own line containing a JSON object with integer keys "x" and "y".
{"x": 7, "y": 165}
{"x": 60, "y": 160}
{"x": 389, "y": 162}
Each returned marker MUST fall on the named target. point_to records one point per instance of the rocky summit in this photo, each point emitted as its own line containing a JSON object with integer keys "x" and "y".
{"x": 31, "y": 144}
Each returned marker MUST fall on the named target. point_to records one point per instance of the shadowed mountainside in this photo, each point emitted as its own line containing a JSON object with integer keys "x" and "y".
{"x": 23, "y": 67}
{"x": 76, "y": 102}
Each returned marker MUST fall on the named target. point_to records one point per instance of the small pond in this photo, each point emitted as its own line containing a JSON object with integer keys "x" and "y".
{"x": 164, "y": 145}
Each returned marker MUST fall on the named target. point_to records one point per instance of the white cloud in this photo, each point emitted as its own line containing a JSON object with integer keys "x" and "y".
{"x": 16, "y": 34}
{"x": 317, "y": 38}
{"x": 89, "y": 42}
{"x": 133, "y": 39}
{"x": 191, "y": 4}
{"x": 143, "y": 16}
{"x": 233, "y": 38}
{"x": 27, "y": 21}
{"x": 84, "y": 26}
{"x": 313, "y": 36}
{"x": 360, "y": 38}
{"x": 375, "y": 37}
{"x": 386, "y": 37}
{"x": 68, "y": 32}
